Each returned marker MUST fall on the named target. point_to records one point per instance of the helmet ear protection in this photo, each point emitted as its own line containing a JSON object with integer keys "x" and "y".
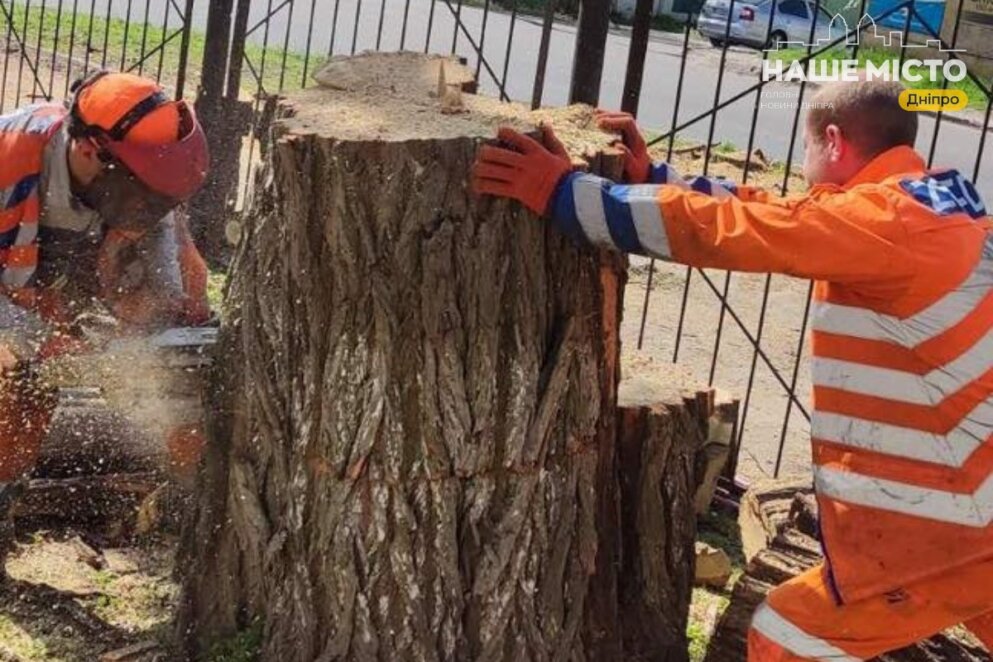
{"x": 79, "y": 128}
{"x": 175, "y": 170}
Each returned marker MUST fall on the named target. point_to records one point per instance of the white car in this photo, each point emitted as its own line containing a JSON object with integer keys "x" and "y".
{"x": 750, "y": 23}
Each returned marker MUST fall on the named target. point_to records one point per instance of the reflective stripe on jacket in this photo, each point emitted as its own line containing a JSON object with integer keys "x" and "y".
{"x": 902, "y": 427}
{"x": 23, "y": 137}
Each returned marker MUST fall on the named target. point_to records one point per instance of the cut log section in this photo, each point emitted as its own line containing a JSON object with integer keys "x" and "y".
{"x": 657, "y": 447}
{"x": 778, "y": 524}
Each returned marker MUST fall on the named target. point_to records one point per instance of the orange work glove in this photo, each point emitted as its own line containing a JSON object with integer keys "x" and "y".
{"x": 525, "y": 170}
{"x": 637, "y": 162}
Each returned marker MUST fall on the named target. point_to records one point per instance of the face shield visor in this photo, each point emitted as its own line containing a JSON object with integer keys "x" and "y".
{"x": 125, "y": 202}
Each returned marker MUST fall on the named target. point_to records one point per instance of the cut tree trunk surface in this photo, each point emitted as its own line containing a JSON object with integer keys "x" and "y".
{"x": 414, "y": 455}
{"x": 778, "y": 521}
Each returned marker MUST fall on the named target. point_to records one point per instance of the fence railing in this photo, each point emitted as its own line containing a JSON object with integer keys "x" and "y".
{"x": 704, "y": 105}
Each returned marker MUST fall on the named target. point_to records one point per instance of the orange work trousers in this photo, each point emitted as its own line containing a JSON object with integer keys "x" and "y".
{"x": 26, "y": 409}
{"x": 801, "y": 620}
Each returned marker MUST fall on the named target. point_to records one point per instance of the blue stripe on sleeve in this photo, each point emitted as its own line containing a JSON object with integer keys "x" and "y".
{"x": 564, "y": 207}
{"x": 620, "y": 222}
{"x": 20, "y": 191}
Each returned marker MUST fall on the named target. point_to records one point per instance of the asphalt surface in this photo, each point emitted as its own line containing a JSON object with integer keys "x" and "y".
{"x": 311, "y": 22}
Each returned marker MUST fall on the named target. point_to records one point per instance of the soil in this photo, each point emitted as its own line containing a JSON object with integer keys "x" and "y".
{"x": 70, "y": 601}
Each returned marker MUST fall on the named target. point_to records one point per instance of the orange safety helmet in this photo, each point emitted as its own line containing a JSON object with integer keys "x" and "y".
{"x": 133, "y": 120}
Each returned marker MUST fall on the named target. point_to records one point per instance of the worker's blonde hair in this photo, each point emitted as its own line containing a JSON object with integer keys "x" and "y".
{"x": 868, "y": 113}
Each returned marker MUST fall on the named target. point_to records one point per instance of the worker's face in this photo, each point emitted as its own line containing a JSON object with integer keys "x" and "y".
{"x": 122, "y": 201}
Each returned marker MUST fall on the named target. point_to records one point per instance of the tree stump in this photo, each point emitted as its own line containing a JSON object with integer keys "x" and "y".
{"x": 778, "y": 521}
{"x": 412, "y": 447}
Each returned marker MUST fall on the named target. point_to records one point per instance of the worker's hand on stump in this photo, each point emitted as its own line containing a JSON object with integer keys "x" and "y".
{"x": 637, "y": 162}
{"x": 526, "y": 170}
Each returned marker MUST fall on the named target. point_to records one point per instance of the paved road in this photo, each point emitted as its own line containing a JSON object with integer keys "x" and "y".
{"x": 312, "y": 20}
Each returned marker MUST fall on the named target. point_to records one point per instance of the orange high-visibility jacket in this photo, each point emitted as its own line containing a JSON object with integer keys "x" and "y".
{"x": 902, "y": 427}
{"x": 24, "y": 136}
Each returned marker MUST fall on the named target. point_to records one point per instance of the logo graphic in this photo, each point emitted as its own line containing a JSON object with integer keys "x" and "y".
{"x": 838, "y": 27}
{"x": 910, "y": 70}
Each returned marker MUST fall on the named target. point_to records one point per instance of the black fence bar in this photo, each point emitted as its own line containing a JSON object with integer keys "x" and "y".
{"x": 55, "y": 47}
{"x": 334, "y": 27}
{"x": 144, "y": 38}
{"x": 89, "y": 45}
{"x": 482, "y": 39}
{"x": 106, "y": 35}
{"x": 163, "y": 44}
{"x": 286, "y": 46}
{"x": 237, "y": 56}
{"x": 72, "y": 45}
{"x": 6, "y": 59}
{"x": 455, "y": 32}
{"x": 37, "y": 54}
{"x": 640, "y": 32}
{"x": 355, "y": 30}
{"x": 591, "y": 44}
{"x": 427, "y": 35}
{"x": 459, "y": 25}
{"x": 379, "y": 30}
{"x": 792, "y": 387}
{"x": 510, "y": 43}
{"x": 651, "y": 263}
{"x": 310, "y": 39}
{"x": 542, "y": 65}
{"x": 403, "y": 28}
{"x": 127, "y": 34}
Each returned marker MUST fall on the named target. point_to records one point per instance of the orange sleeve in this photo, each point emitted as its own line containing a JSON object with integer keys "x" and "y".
{"x": 830, "y": 234}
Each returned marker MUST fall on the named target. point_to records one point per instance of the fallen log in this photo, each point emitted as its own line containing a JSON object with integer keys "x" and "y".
{"x": 112, "y": 497}
{"x": 778, "y": 524}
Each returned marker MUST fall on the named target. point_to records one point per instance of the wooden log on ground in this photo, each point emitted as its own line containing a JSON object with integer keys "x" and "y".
{"x": 111, "y": 497}
{"x": 412, "y": 447}
{"x": 778, "y": 523}
{"x": 657, "y": 446}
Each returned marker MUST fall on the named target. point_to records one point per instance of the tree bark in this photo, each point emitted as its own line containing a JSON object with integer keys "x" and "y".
{"x": 657, "y": 447}
{"x": 778, "y": 521}
{"x": 411, "y": 455}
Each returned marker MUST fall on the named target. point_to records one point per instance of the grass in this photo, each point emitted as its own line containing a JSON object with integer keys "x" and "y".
{"x": 721, "y": 531}
{"x": 876, "y": 55}
{"x": 727, "y": 147}
{"x": 215, "y": 289}
{"x": 15, "y": 641}
{"x": 96, "y": 42}
{"x": 245, "y": 646}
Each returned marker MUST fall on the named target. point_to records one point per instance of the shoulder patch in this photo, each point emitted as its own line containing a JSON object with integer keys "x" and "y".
{"x": 946, "y": 193}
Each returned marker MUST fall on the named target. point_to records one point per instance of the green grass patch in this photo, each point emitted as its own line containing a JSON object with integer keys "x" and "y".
{"x": 245, "y": 646}
{"x": 699, "y": 641}
{"x": 154, "y": 51}
{"x": 216, "y": 280}
{"x": 876, "y": 55}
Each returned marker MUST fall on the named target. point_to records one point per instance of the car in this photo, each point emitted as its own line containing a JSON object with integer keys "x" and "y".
{"x": 750, "y": 23}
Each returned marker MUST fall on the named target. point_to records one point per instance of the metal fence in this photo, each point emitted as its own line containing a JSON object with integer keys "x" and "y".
{"x": 745, "y": 332}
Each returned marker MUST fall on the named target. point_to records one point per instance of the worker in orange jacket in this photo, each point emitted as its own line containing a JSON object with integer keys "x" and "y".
{"x": 86, "y": 214}
{"x": 902, "y": 428}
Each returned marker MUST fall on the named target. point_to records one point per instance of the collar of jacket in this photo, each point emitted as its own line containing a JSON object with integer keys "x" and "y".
{"x": 895, "y": 161}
